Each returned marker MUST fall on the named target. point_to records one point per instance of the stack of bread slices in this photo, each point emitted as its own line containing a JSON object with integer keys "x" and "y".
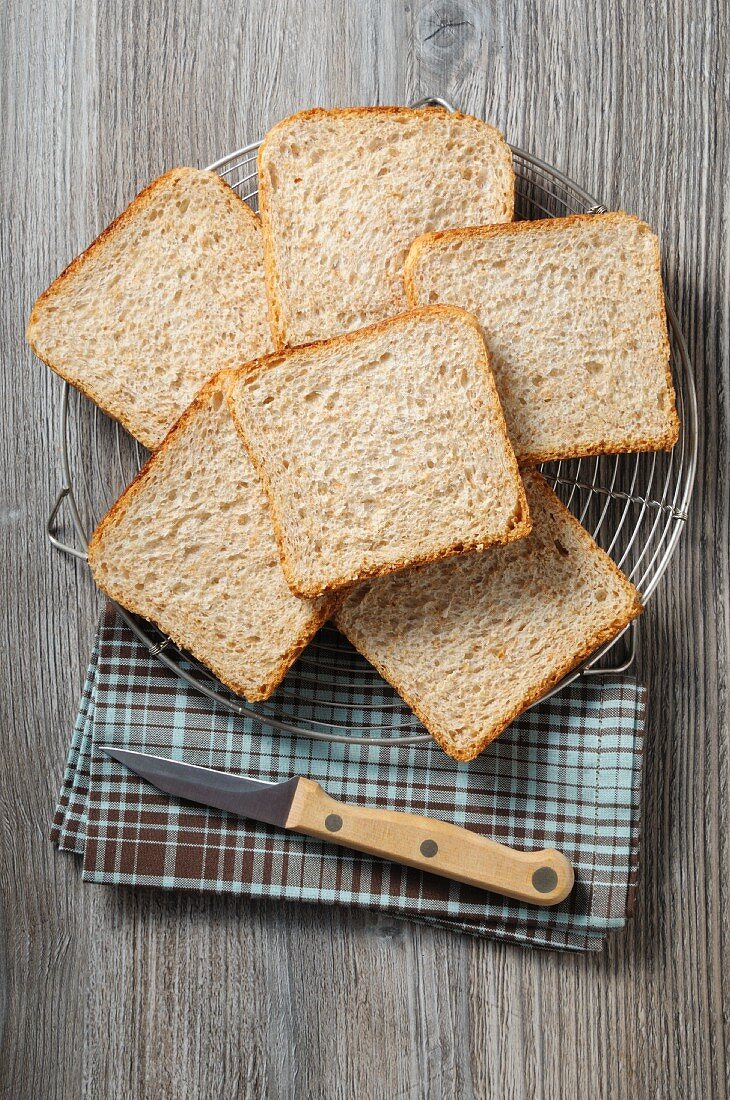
{"x": 346, "y": 400}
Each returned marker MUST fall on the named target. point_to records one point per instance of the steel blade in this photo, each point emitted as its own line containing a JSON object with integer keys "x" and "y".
{"x": 238, "y": 794}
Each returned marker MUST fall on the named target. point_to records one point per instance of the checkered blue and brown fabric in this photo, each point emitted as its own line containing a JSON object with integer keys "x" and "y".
{"x": 566, "y": 775}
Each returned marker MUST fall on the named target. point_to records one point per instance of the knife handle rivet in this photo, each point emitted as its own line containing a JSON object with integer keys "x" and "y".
{"x": 544, "y": 880}
{"x": 429, "y": 848}
{"x": 333, "y": 822}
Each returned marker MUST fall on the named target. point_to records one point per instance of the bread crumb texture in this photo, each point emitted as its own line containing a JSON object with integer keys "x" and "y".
{"x": 190, "y": 547}
{"x": 344, "y": 193}
{"x": 471, "y": 642}
{"x": 169, "y": 294}
{"x": 381, "y": 448}
{"x": 573, "y": 314}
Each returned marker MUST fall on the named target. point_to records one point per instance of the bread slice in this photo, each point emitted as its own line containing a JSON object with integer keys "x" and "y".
{"x": 189, "y": 546}
{"x": 573, "y": 314}
{"x": 381, "y": 449}
{"x": 343, "y": 193}
{"x": 472, "y": 642}
{"x": 170, "y": 293}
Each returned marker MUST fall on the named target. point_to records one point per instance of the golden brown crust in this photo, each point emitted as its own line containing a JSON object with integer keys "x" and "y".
{"x": 520, "y": 530}
{"x": 276, "y": 323}
{"x": 521, "y": 520}
{"x": 116, "y": 514}
{"x": 58, "y": 286}
{"x": 672, "y": 434}
{"x": 539, "y": 225}
{"x": 484, "y": 737}
{"x": 662, "y": 442}
{"x": 276, "y": 318}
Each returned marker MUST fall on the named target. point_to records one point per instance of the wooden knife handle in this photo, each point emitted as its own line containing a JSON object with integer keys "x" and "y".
{"x": 543, "y": 878}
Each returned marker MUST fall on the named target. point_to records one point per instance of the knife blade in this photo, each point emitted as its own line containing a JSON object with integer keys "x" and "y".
{"x": 300, "y": 805}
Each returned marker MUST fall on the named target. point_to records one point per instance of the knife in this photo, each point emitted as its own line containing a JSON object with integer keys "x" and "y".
{"x": 300, "y": 805}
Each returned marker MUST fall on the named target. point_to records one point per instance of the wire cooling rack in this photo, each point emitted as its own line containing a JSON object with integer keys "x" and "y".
{"x": 635, "y": 506}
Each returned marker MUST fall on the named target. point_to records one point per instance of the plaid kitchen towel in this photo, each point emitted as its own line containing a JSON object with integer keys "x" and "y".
{"x": 567, "y": 774}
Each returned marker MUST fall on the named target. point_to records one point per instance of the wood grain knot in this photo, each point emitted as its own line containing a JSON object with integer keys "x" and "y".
{"x": 449, "y": 29}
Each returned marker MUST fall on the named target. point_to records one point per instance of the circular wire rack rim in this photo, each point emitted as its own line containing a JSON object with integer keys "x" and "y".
{"x": 532, "y": 173}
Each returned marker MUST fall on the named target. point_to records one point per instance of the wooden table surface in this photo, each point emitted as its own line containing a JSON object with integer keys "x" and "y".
{"x": 116, "y": 993}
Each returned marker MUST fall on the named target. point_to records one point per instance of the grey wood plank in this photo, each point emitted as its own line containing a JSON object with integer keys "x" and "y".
{"x": 114, "y": 993}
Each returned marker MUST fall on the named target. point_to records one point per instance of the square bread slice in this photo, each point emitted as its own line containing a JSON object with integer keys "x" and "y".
{"x": 190, "y": 547}
{"x": 381, "y": 449}
{"x": 169, "y": 294}
{"x": 472, "y": 642}
{"x": 343, "y": 193}
{"x": 573, "y": 314}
